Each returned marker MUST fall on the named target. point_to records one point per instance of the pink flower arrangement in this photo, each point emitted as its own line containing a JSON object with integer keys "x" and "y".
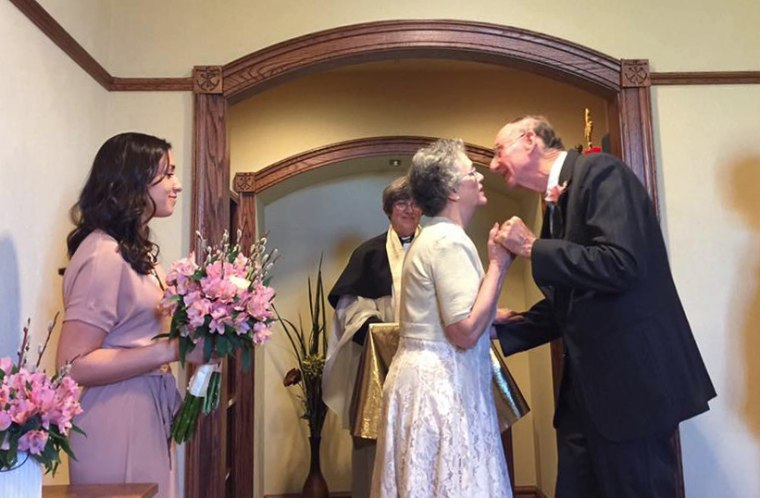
{"x": 36, "y": 410}
{"x": 553, "y": 194}
{"x": 224, "y": 301}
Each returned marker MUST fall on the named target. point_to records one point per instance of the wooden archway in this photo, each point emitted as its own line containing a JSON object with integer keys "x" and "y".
{"x": 623, "y": 83}
{"x": 247, "y": 184}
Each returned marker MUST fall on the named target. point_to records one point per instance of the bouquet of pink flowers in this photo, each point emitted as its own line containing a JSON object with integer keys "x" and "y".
{"x": 227, "y": 303}
{"x": 36, "y": 411}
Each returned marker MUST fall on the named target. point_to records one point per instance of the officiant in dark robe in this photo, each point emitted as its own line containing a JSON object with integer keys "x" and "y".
{"x": 366, "y": 292}
{"x": 632, "y": 370}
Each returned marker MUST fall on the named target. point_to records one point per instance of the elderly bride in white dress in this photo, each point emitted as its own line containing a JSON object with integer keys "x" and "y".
{"x": 439, "y": 435}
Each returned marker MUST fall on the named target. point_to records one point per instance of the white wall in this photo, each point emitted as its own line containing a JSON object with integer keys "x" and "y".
{"x": 710, "y": 173}
{"x": 51, "y": 122}
{"x": 198, "y": 32}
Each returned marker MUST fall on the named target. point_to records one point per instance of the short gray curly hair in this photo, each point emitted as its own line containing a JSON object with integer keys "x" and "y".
{"x": 434, "y": 174}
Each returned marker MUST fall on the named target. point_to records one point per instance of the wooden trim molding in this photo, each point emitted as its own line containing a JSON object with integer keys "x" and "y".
{"x": 58, "y": 35}
{"x": 151, "y": 85}
{"x": 267, "y": 65}
{"x": 385, "y": 40}
{"x": 339, "y": 152}
{"x": 706, "y": 78}
{"x": 55, "y": 32}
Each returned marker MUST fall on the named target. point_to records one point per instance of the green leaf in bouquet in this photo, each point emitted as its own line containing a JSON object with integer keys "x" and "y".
{"x": 178, "y": 319}
{"x": 223, "y": 346}
{"x": 246, "y": 359}
{"x": 208, "y": 348}
{"x": 184, "y": 346}
{"x": 234, "y": 339}
{"x": 76, "y": 429}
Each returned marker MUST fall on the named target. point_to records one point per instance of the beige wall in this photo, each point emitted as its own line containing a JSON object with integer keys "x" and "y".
{"x": 709, "y": 161}
{"x": 167, "y": 38}
{"x": 65, "y": 116}
{"x": 51, "y": 121}
{"x": 466, "y": 100}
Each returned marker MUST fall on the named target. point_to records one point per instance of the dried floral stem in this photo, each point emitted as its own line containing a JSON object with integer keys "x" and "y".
{"x": 50, "y": 328}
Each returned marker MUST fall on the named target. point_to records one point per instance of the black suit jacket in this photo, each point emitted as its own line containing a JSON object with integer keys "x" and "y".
{"x": 611, "y": 298}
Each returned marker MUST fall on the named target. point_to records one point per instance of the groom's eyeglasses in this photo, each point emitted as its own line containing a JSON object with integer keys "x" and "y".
{"x": 505, "y": 148}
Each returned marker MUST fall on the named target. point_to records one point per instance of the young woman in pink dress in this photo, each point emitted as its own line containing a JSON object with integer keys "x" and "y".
{"x": 112, "y": 287}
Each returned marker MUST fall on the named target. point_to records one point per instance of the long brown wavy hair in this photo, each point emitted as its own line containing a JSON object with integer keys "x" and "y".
{"x": 115, "y": 197}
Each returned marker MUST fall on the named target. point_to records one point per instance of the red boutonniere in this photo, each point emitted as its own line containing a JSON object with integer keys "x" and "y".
{"x": 554, "y": 193}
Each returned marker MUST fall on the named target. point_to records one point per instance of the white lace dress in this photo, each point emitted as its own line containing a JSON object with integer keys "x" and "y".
{"x": 439, "y": 435}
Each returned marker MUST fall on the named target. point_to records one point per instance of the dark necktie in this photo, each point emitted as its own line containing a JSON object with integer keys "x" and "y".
{"x": 555, "y": 220}
{"x": 406, "y": 240}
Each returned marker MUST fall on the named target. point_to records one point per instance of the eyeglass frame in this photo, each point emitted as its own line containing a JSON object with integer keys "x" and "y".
{"x": 403, "y": 204}
{"x": 499, "y": 149}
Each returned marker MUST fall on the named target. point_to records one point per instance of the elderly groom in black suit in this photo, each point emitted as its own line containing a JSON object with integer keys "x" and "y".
{"x": 632, "y": 370}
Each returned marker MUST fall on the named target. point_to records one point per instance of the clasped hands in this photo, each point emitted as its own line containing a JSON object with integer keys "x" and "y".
{"x": 515, "y": 237}
{"x": 509, "y": 240}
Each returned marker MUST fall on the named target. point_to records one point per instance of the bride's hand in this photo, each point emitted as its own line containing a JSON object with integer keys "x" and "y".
{"x": 497, "y": 254}
{"x": 196, "y": 355}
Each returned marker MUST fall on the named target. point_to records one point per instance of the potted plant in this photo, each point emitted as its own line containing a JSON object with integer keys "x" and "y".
{"x": 36, "y": 413}
{"x": 309, "y": 348}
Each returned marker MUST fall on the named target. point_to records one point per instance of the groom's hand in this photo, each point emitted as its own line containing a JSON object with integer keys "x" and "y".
{"x": 516, "y": 237}
{"x": 506, "y": 315}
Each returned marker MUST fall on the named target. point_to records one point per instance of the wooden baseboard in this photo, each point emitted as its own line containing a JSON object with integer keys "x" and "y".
{"x": 520, "y": 492}
{"x": 528, "y": 492}
{"x": 338, "y": 494}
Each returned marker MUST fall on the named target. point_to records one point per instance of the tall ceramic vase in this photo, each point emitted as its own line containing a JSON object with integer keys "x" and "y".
{"x": 23, "y": 480}
{"x": 315, "y": 485}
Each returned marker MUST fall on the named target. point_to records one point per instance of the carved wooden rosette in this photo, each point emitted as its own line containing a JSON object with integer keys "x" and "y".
{"x": 207, "y": 79}
{"x": 634, "y": 73}
{"x": 245, "y": 183}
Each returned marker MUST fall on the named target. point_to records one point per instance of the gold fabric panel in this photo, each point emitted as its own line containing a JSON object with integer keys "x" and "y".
{"x": 379, "y": 348}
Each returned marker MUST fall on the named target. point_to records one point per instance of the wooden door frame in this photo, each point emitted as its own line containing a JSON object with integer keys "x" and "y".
{"x": 623, "y": 83}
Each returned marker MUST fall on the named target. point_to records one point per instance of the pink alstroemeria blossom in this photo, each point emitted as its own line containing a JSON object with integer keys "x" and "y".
{"x": 242, "y": 324}
{"x": 261, "y": 333}
{"x": 196, "y": 312}
{"x": 33, "y": 441}
{"x": 181, "y": 272}
{"x": 5, "y": 420}
{"x": 554, "y": 193}
{"x": 259, "y": 304}
{"x": 240, "y": 266}
{"x": 21, "y": 410}
{"x": 6, "y": 365}
{"x": 219, "y": 318}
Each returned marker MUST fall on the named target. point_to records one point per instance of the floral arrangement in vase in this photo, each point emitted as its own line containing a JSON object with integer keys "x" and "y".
{"x": 225, "y": 302}
{"x": 309, "y": 348}
{"x": 36, "y": 410}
